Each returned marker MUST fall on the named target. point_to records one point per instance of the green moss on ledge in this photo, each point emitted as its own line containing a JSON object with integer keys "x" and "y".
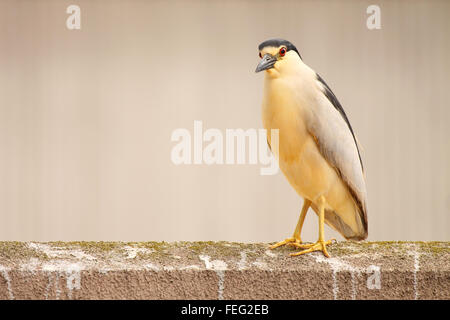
{"x": 161, "y": 250}
{"x": 15, "y": 250}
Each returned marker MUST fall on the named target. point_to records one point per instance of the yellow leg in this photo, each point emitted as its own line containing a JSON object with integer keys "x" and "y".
{"x": 295, "y": 239}
{"x": 321, "y": 244}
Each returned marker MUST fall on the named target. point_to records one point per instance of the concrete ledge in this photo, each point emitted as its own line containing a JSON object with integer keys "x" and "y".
{"x": 222, "y": 270}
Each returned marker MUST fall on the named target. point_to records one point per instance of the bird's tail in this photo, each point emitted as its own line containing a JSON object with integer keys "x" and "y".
{"x": 359, "y": 231}
{"x": 349, "y": 233}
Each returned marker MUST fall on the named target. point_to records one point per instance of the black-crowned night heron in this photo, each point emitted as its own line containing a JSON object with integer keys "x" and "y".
{"x": 317, "y": 152}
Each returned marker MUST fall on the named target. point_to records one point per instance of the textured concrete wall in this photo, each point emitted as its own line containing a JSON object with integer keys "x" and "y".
{"x": 222, "y": 270}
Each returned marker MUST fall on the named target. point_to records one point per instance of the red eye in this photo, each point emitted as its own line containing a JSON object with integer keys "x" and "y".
{"x": 260, "y": 55}
{"x": 282, "y": 52}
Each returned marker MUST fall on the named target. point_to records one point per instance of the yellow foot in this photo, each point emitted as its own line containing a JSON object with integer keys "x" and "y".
{"x": 318, "y": 246}
{"x": 288, "y": 241}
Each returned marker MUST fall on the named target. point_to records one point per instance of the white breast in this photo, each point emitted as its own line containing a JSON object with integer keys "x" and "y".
{"x": 287, "y": 106}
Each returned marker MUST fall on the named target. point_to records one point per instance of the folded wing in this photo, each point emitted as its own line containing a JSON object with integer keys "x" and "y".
{"x": 337, "y": 143}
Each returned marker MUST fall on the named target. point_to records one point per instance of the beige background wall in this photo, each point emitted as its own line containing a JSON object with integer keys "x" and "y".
{"x": 86, "y": 116}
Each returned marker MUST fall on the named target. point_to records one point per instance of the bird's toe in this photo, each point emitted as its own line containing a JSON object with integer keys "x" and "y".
{"x": 289, "y": 241}
{"x": 311, "y": 247}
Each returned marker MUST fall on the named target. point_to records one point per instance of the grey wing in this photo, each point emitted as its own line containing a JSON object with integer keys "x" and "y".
{"x": 337, "y": 143}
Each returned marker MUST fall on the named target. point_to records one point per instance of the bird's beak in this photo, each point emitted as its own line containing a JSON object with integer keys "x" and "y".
{"x": 267, "y": 62}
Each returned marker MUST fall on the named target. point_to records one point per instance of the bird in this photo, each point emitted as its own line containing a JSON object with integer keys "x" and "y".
{"x": 317, "y": 148}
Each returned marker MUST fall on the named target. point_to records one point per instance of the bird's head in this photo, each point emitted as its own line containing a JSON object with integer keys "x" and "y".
{"x": 277, "y": 56}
